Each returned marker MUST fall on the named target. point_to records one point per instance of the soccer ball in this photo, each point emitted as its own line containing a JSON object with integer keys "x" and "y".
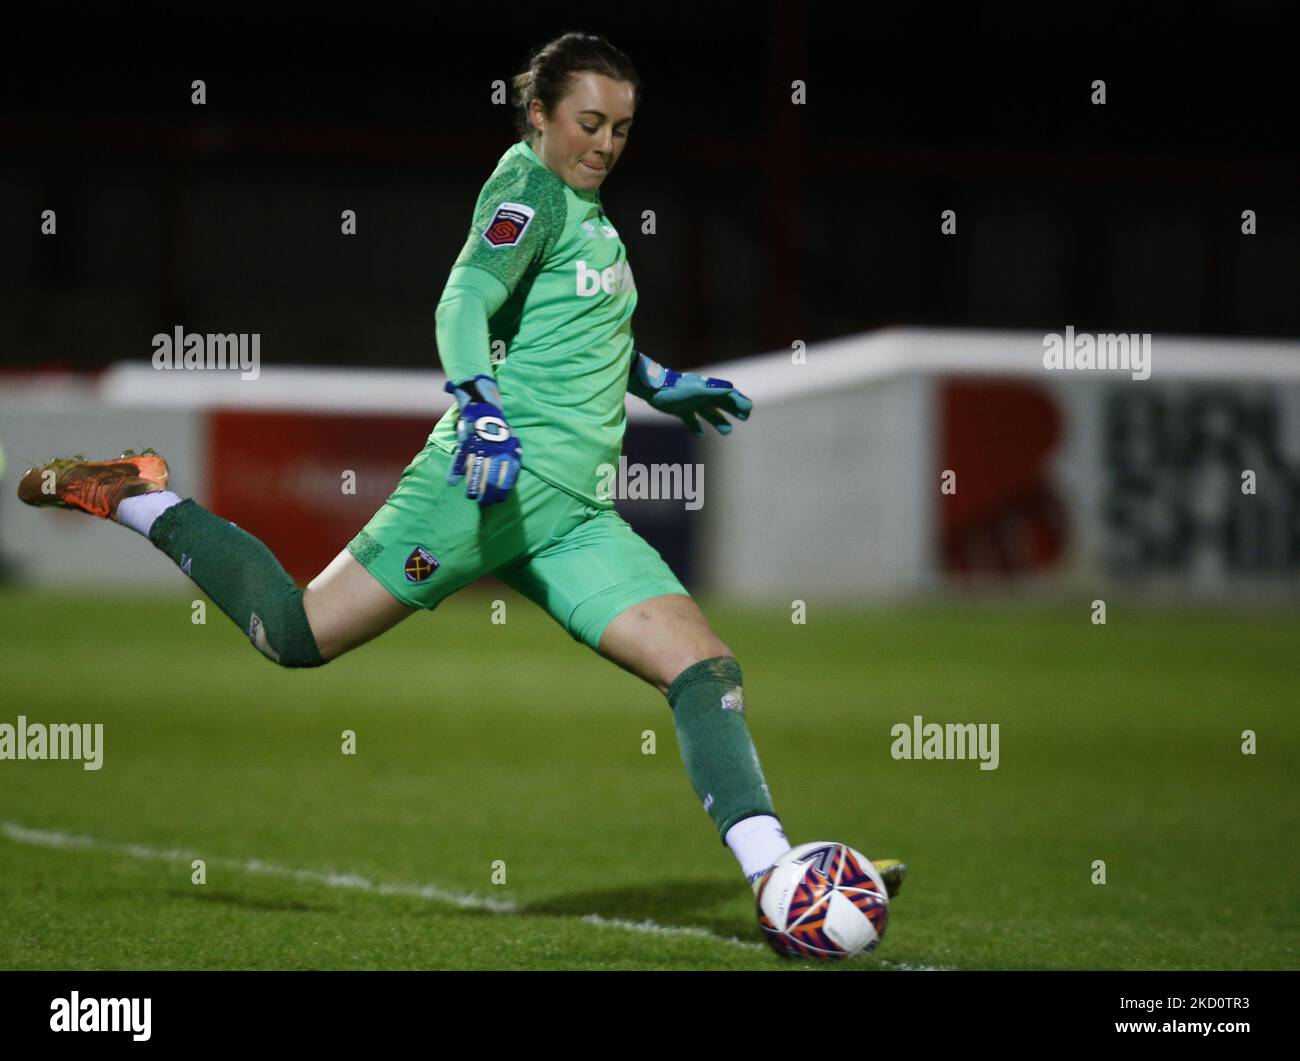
{"x": 823, "y": 900}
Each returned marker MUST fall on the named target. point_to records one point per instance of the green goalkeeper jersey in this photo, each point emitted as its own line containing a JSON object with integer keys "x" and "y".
{"x": 543, "y": 279}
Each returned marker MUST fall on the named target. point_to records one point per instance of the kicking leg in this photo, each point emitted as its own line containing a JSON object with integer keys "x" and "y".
{"x": 341, "y": 608}
{"x": 344, "y": 605}
{"x": 347, "y": 606}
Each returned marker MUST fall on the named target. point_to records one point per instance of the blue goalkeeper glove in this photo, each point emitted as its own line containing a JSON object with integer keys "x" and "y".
{"x": 687, "y": 395}
{"x": 487, "y": 451}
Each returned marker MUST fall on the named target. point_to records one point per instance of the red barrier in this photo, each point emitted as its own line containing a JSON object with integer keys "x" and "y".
{"x": 286, "y": 477}
{"x": 1006, "y": 516}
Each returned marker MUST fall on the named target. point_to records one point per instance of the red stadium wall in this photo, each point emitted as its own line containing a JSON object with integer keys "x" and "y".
{"x": 281, "y": 476}
{"x": 1005, "y": 517}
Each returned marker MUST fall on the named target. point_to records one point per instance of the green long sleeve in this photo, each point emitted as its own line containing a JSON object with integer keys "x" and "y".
{"x": 468, "y": 301}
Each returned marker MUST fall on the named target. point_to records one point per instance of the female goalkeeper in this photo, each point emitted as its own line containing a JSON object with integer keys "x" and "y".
{"x": 544, "y": 272}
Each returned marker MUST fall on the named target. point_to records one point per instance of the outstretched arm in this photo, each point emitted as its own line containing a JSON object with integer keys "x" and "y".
{"x": 687, "y": 395}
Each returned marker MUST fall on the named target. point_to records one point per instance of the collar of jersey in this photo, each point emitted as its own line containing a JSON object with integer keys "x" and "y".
{"x": 592, "y": 196}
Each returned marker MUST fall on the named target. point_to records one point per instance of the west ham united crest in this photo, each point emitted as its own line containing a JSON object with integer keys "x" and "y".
{"x": 420, "y": 564}
{"x": 508, "y": 224}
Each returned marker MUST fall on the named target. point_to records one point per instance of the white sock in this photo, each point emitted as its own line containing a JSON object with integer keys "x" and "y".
{"x": 757, "y": 842}
{"x": 140, "y": 511}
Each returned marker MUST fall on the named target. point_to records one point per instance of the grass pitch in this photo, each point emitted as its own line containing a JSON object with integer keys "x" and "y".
{"x": 481, "y": 747}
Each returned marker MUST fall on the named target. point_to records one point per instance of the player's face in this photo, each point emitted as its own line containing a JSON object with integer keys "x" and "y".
{"x": 583, "y": 139}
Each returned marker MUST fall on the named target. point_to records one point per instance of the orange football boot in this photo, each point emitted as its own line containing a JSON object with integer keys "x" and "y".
{"x": 94, "y": 486}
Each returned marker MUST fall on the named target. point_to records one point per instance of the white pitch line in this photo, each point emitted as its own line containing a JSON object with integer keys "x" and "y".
{"x": 351, "y": 881}
{"x": 654, "y": 928}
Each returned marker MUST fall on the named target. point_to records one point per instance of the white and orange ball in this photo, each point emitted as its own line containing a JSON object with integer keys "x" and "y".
{"x": 823, "y": 900}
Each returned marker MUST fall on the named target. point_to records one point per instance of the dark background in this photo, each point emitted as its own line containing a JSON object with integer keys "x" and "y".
{"x": 775, "y": 222}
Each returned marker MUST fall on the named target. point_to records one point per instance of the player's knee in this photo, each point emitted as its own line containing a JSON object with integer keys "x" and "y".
{"x": 285, "y": 636}
{"x": 712, "y": 647}
{"x": 301, "y": 660}
{"x": 687, "y": 660}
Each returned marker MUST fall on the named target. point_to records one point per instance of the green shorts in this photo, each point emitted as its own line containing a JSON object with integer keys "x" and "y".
{"x": 584, "y": 565}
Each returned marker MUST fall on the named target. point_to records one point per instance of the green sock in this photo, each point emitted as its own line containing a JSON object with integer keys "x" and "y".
{"x": 243, "y": 577}
{"x": 721, "y": 760}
